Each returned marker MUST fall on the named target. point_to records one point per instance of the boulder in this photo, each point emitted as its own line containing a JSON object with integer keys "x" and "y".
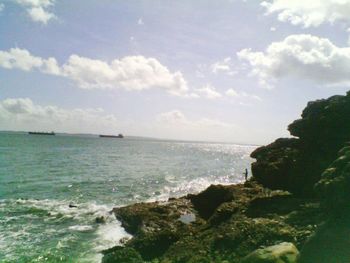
{"x": 149, "y": 218}
{"x": 282, "y": 253}
{"x": 276, "y": 163}
{"x": 207, "y": 201}
{"x": 324, "y": 121}
{"x": 155, "y": 226}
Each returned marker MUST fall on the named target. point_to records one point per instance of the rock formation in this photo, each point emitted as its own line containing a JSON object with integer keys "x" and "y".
{"x": 296, "y": 164}
{"x": 239, "y": 219}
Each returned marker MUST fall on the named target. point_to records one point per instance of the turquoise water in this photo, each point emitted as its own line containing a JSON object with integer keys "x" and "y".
{"x": 40, "y": 176}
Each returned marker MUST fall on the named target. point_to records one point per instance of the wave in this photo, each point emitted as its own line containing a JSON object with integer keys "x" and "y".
{"x": 64, "y": 222}
{"x": 191, "y": 187}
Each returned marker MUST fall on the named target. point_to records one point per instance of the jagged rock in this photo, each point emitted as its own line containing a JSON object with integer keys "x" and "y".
{"x": 324, "y": 121}
{"x": 281, "y": 253}
{"x": 236, "y": 226}
{"x": 276, "y": 163}
{"x": 148, "y": 218}
{"x": 100, "y": 220}
{"x": 207, "y": 201}
{"x": 334, "y": 186}
{"x": 296, "y": 164}
{"x": 156, "y": 225}
{"x": 121, "y": 254}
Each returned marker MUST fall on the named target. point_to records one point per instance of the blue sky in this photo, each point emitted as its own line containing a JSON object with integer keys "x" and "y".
{"x": 236, "y": 71}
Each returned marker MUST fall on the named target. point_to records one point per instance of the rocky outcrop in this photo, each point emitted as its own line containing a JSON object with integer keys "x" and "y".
{"x": 240, "y": 219}
{"x": 296, "y": 164}
{"x": 121, "y": 254}
{"x": 281, "y": 253}
{"x": 207, "y": 201}
{"x": 156, "y": 225}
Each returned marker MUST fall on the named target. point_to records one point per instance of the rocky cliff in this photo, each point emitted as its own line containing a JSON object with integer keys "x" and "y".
{"x": 296, "y": 164}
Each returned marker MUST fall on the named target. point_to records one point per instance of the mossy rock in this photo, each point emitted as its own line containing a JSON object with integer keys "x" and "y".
{"x": 121, "y": 254}
{"x": 282, "y": 253}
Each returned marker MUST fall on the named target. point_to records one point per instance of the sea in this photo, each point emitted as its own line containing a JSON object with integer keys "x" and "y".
{"x": 52, "y": 188}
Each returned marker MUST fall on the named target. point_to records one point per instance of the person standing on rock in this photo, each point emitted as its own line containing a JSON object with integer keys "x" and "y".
{"x": 246, "y": 174}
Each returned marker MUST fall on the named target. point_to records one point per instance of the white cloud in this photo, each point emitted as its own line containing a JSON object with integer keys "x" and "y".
{"x": 232, "y": 93}
{"x": 129, "y": 73}
{"x": 36, "y": 3}
{"x": 311, "y": 13}
{"x": 223, "y": 66}
{"x": 38, "y": 9}
{"x": 273, "y": 29}
{"x": 23, "y": 114}
{"x": 21, "y": 59}
{"x": 235, "y": 94}
{"x": 38, "y": 14}
{"x": 209, "y": 92}
{"x": 301, "y": 56}
{"x": 140, "y": 21}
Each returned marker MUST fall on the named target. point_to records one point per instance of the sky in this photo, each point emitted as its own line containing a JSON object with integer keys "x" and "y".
{"x": 224, "y": 70}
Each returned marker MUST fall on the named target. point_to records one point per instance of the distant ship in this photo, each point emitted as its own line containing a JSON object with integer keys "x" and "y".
{"x": 112, "y": 136}
{"x": 42, "y": 133}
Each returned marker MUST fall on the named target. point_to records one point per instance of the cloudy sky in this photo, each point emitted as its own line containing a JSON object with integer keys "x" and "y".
{"x": 223, "y": 70}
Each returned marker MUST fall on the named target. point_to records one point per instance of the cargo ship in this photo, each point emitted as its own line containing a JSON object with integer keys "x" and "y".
{"x": 120, "y": 136}
{"x": 42, "y": 133}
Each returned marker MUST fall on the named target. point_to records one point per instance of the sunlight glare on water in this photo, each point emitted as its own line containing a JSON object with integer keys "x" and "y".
{"x": 41, "y": 176}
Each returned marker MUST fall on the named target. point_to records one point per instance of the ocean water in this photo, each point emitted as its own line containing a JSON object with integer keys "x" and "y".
{"x": 41, "y": 176}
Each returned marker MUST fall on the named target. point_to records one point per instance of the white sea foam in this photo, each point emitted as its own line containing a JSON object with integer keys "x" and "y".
{"x": 193, "y": 186}
{"x": 81, "y": 228}
{"x": 82, "y": 219}
{"x": 110, "y": 235}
